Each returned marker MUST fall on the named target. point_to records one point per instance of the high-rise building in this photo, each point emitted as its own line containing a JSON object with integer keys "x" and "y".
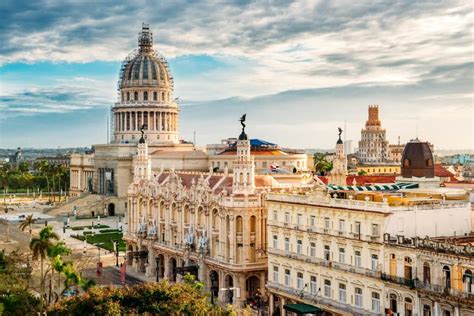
{"x": 373, "y": 145}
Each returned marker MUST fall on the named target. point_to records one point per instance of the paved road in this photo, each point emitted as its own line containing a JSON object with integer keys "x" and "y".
{"x": 110, "y": 275}
{"x": 18, "y": 239}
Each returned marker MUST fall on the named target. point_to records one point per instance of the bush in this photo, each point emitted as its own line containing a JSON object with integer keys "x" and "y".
{"x": 161, "y": 298}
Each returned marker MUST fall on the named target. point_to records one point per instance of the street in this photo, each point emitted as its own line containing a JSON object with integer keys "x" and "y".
{"x": 110, "y": 275}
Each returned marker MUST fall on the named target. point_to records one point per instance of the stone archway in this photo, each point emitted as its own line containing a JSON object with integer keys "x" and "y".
{"x": 111, "y": 209}
{"x": 160, "y": 267}
{"x": 214, "y": 284}
{"x": 229, "y": 284}
{"x": 172, "y": 269}
{"x": 130, "y": 255}
{"x": 252, "y": 285}
{"x": 143, "y": 259}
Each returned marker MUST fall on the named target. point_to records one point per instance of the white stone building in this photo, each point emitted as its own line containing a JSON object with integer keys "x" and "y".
{"x": 328, "y": 251}
{"x": 212, "y": 225}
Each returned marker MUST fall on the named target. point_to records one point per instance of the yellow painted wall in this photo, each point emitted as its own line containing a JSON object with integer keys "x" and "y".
{"x": 379, "y": 169}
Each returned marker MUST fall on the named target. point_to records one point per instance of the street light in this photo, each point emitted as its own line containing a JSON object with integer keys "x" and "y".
{"x": 5, "y": 208}
{"x": 116, "y": 250}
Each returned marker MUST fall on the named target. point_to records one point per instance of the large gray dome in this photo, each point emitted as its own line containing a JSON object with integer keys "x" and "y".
{"x": 145, "y": 67}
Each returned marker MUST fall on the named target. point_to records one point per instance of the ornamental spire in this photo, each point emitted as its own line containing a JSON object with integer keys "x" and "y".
{"x": 145, "y": 38}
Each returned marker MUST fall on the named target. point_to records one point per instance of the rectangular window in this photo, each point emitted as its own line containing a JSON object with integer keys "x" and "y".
{"x": 327, "y": 288}
{"x": 327, "y": 253}
{"x": 264, "y": 164}
{"x": 287, "y": 244}
{"x": 357, "y": 259}
{"x": 375, "y": 262}
{"x": 275, "y": 215}
{"x": 327, "y": 223}
{"x": 299, "y": 246}
{"x": 342, "y": 255}
{"x": 275, "y": 241}
{"x": 312, "y": 221}
{"x": 299, "y": 281}
{"x": 299, "y": 219}
{"x": 342, "y": 293}
{"x": 358, "y": 297}
{"x": 375, "y": 230}
{"x": 357, "y": 229}
{"x": 375, "y": 302}
{"x": 342, "y": 226}
{"x": 287, "y": 217}
{"x": 313, "y": 285}
{"x": 312, "y": 249}
{"x": 287, "y": 277}
{"x": 275, "y": 274}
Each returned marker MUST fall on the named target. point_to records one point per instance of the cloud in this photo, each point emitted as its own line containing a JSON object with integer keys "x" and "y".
{"x": 59, "y": 99}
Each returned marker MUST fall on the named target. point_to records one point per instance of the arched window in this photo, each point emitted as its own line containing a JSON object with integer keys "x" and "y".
{"x": 239, "y": 224}
{"x": 162, "y": 96}
{"x": 253, "y": 224}
{"x": 155, "y": 96}
{"x": 128, "y": 96}
{"x": 135, "y": 96}
{"x": 145, "y": 96}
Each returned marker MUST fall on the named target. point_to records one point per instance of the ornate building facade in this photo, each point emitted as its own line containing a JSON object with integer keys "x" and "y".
{"x": 332, "y": 252}
{"x": 373, "y": 145}
{"x": 146, "y": 101}
{"x": 212, "y": 225}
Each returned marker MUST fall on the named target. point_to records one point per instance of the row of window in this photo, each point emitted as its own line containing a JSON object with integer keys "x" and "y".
{"x": 145, "y": 96}
{"x": 264, "y": 164}
{"x": 326, "y": 255}
{"x": 327, "y": 289}
{"x": 327, "y": 224}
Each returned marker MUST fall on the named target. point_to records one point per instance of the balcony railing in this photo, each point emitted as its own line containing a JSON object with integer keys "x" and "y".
{"x": 317, "y": 299}
{"x": 326, "y": 263}
{"x": 440, "y": 289}
{"x": 398, "y": 280}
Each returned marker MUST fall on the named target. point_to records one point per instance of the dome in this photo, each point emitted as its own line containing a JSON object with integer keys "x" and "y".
{"x": 145, "y": 67}
{"x": 417, "y": 160}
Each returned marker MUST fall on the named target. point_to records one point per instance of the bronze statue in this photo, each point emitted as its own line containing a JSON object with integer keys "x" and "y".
{"x": 142, "y": 129}
{"x": 340, "y": 131}
{"x": 242, "y": 120}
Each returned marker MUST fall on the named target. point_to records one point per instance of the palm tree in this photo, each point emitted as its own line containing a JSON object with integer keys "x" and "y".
{"x": 42, "y": 167}
{"x": 5, "y": 173}
{"x": 39, "y": 247}
{"x": 320, "y": 162}
{"x": 29, "y": 220}
{"x": 54, "y": 253}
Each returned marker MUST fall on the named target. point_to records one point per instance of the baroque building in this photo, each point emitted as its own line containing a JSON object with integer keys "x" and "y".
{"x": 212, "y": 225}
{"x": 146, "y": 102}
{"x": 327, "y": 249}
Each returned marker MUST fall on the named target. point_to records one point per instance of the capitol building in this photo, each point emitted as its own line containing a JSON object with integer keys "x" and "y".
{"x": 146, "y": 102}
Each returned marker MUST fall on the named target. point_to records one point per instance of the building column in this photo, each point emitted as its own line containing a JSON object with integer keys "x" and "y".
{"x": 143, "y": 120}
{"x": 271, "y": 304}
{"x": 167, "y": 266}
{"x": 245, "y": 239}
{"x": 151, "y": 269}
{"x": 282, "y": 303}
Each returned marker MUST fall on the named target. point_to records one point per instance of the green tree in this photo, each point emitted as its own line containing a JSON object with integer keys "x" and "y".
{"x": 23, "y": 167}
{"x": 5, "y": 174}
{"x": 321, "y": 164}
{"x": 29, "y": 220}
{"x": 162, "y": 298}
{"x": 55, "y": 252}
{"x": 15, "y": 298}
{"x": 39, "y": 247}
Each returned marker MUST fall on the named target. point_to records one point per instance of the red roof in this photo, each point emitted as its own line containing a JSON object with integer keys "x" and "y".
{"x": 442, "y": 172}
{"x": 364, "y": 180}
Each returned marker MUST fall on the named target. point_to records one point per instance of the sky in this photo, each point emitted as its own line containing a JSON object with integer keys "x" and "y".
{"x": 299, "y": 69}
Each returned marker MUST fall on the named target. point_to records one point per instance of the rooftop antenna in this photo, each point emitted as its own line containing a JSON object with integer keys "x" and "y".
{"x": 107, "y": 128}
{"x": 194, "y": 141}
{"x": 416, "y": 129}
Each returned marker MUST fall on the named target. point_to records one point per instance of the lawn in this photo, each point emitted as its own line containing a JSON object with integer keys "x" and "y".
{"x": 89, "y": 227}
{"x": 105, "y": 240}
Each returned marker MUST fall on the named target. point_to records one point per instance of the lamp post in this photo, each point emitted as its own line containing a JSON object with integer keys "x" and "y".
{"x": 116, "y": 248}
{"x": 7, "y": 222}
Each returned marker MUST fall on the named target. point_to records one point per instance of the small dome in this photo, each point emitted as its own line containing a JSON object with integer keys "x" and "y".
{"x": 243, "y": 136}
{"x": 145, "y": 67}
{"x": 417, "y": 160}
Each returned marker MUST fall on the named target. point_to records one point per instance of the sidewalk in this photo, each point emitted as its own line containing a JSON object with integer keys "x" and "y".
{"x": 140, "y": 276}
